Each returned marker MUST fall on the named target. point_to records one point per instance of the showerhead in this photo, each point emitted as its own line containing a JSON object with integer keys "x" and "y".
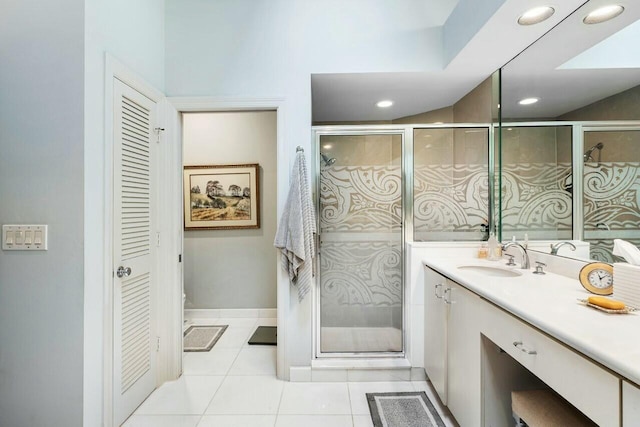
{"x": 326, "y": 160}
{"x": 587, "y": 155}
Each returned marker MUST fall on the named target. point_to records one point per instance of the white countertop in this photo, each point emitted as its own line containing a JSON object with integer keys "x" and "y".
{"x": 550, "y": 303}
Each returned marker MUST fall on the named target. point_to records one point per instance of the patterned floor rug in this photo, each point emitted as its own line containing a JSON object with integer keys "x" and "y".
{"x": 410, "y": 409}
{"x": 201, "y": 337}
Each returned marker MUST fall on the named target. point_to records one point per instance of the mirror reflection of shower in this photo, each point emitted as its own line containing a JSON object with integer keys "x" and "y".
{"x": 326, "y": 160}
{"x": 588, "y": 154}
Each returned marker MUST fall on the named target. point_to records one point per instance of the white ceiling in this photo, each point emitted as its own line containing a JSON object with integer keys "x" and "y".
{"x": 565, "y": 68}
{"x": 352, "y": 97}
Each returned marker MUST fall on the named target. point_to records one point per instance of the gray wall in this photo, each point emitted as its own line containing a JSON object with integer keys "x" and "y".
{"x": 41, "y": 181}
{"x": 132, "y": 32}
{"x": 233, "y": 268}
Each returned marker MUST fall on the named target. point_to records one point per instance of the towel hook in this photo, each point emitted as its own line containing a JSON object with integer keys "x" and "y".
{"x": 299, "y": 149}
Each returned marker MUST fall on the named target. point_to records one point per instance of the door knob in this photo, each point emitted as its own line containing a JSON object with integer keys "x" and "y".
{"x": 123, "y": 272}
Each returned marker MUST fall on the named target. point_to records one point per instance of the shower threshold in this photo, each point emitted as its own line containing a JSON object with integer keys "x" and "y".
{"x": 399, "y": 362}
{"x": 363, "y": 369}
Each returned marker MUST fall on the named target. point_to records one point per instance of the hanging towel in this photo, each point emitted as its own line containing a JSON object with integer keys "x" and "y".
{"x": 297, "y": 228}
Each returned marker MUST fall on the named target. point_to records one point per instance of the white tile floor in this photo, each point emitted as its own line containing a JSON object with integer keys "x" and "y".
{"x": 234, "y": 385}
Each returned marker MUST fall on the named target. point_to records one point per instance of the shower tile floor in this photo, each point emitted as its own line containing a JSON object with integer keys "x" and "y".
{"x": 235, "y": 385}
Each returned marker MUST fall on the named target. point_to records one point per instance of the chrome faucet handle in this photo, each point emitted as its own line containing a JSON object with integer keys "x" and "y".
{"x": 511, "y": 261}
{"x": 523, "y": 250}
{"x": 556, "y": 246}
{"x": 539, "y": 269}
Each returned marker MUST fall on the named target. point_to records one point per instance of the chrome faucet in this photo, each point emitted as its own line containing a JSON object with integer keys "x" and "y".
{"x": 556, "y": 246}
{"x": 525, "y": 255}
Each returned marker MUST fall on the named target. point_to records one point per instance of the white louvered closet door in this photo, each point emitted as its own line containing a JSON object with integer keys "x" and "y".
{"x": 134, "y": 337}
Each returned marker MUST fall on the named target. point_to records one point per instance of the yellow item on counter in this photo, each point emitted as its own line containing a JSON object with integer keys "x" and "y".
{"x": 611, "y": 304}
{"x": 483, "y": 251}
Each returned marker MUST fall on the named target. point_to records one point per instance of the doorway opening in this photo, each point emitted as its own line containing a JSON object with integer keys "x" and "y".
{"x": 230, "y": 184}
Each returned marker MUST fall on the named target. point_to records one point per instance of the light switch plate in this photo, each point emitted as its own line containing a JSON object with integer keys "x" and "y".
{"x": 24, "y": 237}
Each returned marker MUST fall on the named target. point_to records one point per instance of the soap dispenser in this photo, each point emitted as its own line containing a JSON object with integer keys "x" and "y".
{"x": 493, "y": 248}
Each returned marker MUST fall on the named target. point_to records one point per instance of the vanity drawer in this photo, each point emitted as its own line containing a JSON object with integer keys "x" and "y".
{"x": 586, "y": 385}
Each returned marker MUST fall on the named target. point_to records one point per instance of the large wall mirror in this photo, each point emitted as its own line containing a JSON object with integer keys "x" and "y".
{"x": 569, "y": 140}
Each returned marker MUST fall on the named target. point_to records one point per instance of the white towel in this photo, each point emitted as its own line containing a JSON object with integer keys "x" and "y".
{"x": 297, "y": 228}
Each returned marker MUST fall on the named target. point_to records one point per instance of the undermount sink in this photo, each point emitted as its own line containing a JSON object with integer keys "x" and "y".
{"x": 490, "y": 271}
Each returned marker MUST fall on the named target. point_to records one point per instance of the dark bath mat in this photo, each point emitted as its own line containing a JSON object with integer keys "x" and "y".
{"x": 264, "y": 335}
{"x": 202, "y": 337}
{"x": 410, "y": 409}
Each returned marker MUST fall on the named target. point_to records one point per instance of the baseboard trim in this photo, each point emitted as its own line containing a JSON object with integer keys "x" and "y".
{"x": 221, "y": 313}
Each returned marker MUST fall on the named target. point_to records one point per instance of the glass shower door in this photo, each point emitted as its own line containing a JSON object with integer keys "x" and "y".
{"x": 360, "y": 227}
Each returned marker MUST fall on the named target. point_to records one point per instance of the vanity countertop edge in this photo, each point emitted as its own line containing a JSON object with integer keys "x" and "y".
{"x": 550, "y": 303}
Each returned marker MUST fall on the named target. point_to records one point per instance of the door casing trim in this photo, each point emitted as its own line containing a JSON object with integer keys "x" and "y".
{"x": 217, "y": 104}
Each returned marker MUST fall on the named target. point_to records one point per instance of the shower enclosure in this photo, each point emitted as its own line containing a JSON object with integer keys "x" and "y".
{"x": 377, "y": 187}
{"x": 359, "y": 178}
{"x": 571, "y": 180}
{"x": 611, "y": 188}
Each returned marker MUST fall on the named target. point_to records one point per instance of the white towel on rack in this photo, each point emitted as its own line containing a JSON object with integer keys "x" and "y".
{"x": 297, "y": 228}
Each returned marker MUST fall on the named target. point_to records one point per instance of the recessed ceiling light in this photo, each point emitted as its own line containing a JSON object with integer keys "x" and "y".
{"x": 438, "y": 123}
{"x": 385, "y": 104}
{"x": 528, "y": 101}
{"x": 327, "y": 146}
{"x": 603, "y": 14}
{"x": 536, "y": 15}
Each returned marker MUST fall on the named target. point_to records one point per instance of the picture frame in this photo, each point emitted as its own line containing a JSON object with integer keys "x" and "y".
{"x": 221, "y": 197}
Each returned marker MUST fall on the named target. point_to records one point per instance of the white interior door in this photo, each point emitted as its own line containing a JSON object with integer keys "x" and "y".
{"x": 134, "y": 336}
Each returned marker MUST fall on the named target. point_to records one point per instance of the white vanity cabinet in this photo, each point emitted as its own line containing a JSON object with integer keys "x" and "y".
{"x": 590, "y": 388}
{"x": 435, "y": 331}
{"x": 452, "y": 346}
{"x": 464, "y": 355}
{"x": 630, "y": 404}
{"x": 457, "y": 319}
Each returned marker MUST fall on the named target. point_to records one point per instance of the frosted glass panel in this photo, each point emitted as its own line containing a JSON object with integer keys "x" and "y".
{"x": 537, "y": 182}
{"x": 611, "y": 190}
{"x": 451, "y": 184}
{"x": 360, "y": 243}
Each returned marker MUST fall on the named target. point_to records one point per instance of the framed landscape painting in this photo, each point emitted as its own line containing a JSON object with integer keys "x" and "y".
{"x": 221, "y": 197}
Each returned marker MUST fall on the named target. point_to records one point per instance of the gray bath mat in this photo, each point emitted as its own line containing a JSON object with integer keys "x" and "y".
{"x": 201, "y": 337}
{"x": 265, "y": 335}
{"x": 411, "y": 409}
